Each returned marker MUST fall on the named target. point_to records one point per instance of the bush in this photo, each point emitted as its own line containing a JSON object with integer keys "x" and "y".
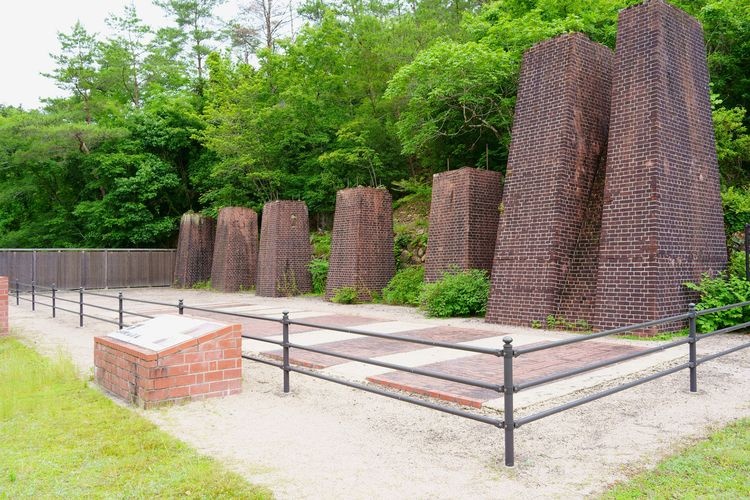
{"x": 319, "y": 272}
{"x": 736, "y": 203}
{"x": 321, "y": 244}
{"x": 346, "y": 295}
{"x": 405, "y": 287}
{"x": 457, "y": 294}
{"x": 737, "y": 265}
{"x": 721, "y": 291}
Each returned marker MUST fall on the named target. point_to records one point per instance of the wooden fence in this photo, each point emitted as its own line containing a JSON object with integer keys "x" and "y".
{"x": 88, "y": 268}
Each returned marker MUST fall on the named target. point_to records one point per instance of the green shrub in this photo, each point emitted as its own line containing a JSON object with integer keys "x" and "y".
{"x": 457, "y": 294}
{"x": 346, "y": 295}
{"x": 319, "y": 272}
{"x": 321, "y": 244}
{"x": 736, "y": 202}
{"x": 737, "y": 265}
{"x": 405, "y": 287}
{"x": 721, "y": 291}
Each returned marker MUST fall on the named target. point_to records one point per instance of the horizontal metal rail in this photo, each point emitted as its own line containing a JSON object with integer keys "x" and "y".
{"x": 413, "y": 340}
{"x": 262, "y": 339}
{"x": 402, "y": 368}
{"x": 606, "y": 333}
{"x": 598, "y": 395}
{"x": 601, "y": 364}
{"x": 703, "y": 312}
{"x": 402, "y": 397}
{"x": 728, "y": 329}
{"x": 263, "y": 361}
{"x": 142, "y": 301}
{"x": 723, "y": 353}
{"x": 239, "y": 315}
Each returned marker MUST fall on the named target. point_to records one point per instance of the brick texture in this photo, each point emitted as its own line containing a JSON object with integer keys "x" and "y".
{"x": 463, "y": 221}
{"x": 545, "y": 256}
{"x": 285, "y": 250}
{"x": 362, "y": 242}
{"x": 662, "y": 219}
{"x": 236, "y": 250}
{"x": 195, "y": 249}
{"x": 4, "y": 329}
{"x": 209, "y": 366}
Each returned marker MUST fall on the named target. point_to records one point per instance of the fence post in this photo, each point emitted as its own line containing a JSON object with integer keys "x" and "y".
{"x": 80, "y": 307}
{"x": 508, "y": 421}
{"x": 54, "y": 294}
{"x": 285, "y": 342}
{"x": 693, "y": 349}
{"x": 33, "y": 296}
{"x": 119, "y": 310}
{"x": 18, "y": 294}
{"x": 180, "y": 307}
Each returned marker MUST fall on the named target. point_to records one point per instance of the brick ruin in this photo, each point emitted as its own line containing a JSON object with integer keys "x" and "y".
{"x": 236, "y": 250}
{"x": 548, "y": 227}
{"x": 362, "y": 242}
{"x": 195, "y": 250}
{"x": 611, "y": 203}
{"x": 463, "y": 221}
{"x": 662, "y": 223}
{"x": 285, "y": 250}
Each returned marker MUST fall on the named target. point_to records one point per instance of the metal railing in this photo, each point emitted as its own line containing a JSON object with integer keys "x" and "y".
{"x": 508, "y": 352}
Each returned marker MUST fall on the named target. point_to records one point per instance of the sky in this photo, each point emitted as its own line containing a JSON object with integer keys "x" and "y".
{"x": 29, "y": 34}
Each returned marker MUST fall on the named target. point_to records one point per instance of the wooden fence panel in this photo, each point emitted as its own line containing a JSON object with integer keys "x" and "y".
{"x": 99, "y": 268}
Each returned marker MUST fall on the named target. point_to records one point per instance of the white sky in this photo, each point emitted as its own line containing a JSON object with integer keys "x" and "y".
{"x": 29, "y": 34}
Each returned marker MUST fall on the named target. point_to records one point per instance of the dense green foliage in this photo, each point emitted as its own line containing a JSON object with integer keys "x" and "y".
{"x": 405, "y": 287}
{"x": 63, "y": 439}
{"x": 346, "y": 295}
{"x": 722, "y": 291}
{"x": 319, "y": 272}
{"x": 461, "y": 293}
{"x": 156, "y": 123}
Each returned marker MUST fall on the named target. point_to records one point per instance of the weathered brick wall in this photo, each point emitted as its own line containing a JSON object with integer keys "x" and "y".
{"x": 362, "y": 242}
{"x": 548, "y": 222}
{"x": 195, "y": 250}
{"x": 463, "y": 221}
{"x": 285, "y": 250}
{"x": 4, "y": 328}
{"x": 210, "y": 366}
{"x": 236, "y": 250}
{"x": 662, "y": 220}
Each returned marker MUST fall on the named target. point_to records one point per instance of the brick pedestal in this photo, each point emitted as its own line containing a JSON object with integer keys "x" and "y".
{"x": 236, "y": 250}
{"x": 463, "y": 221}
{"x": 362, "y": 242}
{"x": 195, "y": 250}
{"x": 549, "y": 229}
{"x": 208, "y": 366}
{"x": 662, "y": 221}
{"x": 4, "y": 329}
{"x": 285, "y": 250}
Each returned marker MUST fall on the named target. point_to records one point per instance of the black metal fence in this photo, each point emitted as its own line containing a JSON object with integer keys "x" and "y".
{"x": 508, "y": 387}
{"x": 89, "y": 268}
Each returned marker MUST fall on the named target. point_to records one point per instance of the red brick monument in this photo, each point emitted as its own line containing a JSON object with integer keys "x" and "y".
{"x": 463, "y": 221}
{"x": 362, "y": 242}
{"x": 195, "y": 250}
{"x": 285, "y": 250}
{"x": 236, "y": 250}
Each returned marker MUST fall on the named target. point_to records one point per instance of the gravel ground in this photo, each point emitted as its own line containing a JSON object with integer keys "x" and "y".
{"x": 325, "y": 440}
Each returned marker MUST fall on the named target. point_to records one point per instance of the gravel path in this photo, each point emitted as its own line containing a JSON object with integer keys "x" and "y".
{"x": 325, "y": 440}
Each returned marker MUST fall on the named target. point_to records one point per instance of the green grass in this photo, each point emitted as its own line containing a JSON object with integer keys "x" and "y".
{"x": 655, "y": 338}
{"x": 716, "y": 468}
{"x": 61, "y": 438}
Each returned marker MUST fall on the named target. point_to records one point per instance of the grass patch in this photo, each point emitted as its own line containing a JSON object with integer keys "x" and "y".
{"x": 716, "y": 468}
{"x": 61, "y": 438}
{"x": 660, "y": 337}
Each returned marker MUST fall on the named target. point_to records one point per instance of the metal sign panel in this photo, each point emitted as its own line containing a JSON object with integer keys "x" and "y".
{"x": 163, "y": 332}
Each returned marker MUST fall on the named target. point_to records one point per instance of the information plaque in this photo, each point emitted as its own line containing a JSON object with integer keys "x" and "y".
{"x": 163, "y": 332}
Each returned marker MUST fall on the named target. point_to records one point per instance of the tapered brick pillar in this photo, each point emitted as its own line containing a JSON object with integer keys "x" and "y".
{"x": 662, "y": 222}
{"x": 236, "y": 250}
{"x": 362, "y": 242}
{"x": 285, "y": 250}
{"x": 4, "y": 329}
{"x": 195, "y": 250}
{"x": 549, "y": 229}
{"x": 463, "y": 221}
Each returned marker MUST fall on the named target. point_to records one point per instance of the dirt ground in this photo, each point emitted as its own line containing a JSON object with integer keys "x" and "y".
{"x": 325, "y": 440}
